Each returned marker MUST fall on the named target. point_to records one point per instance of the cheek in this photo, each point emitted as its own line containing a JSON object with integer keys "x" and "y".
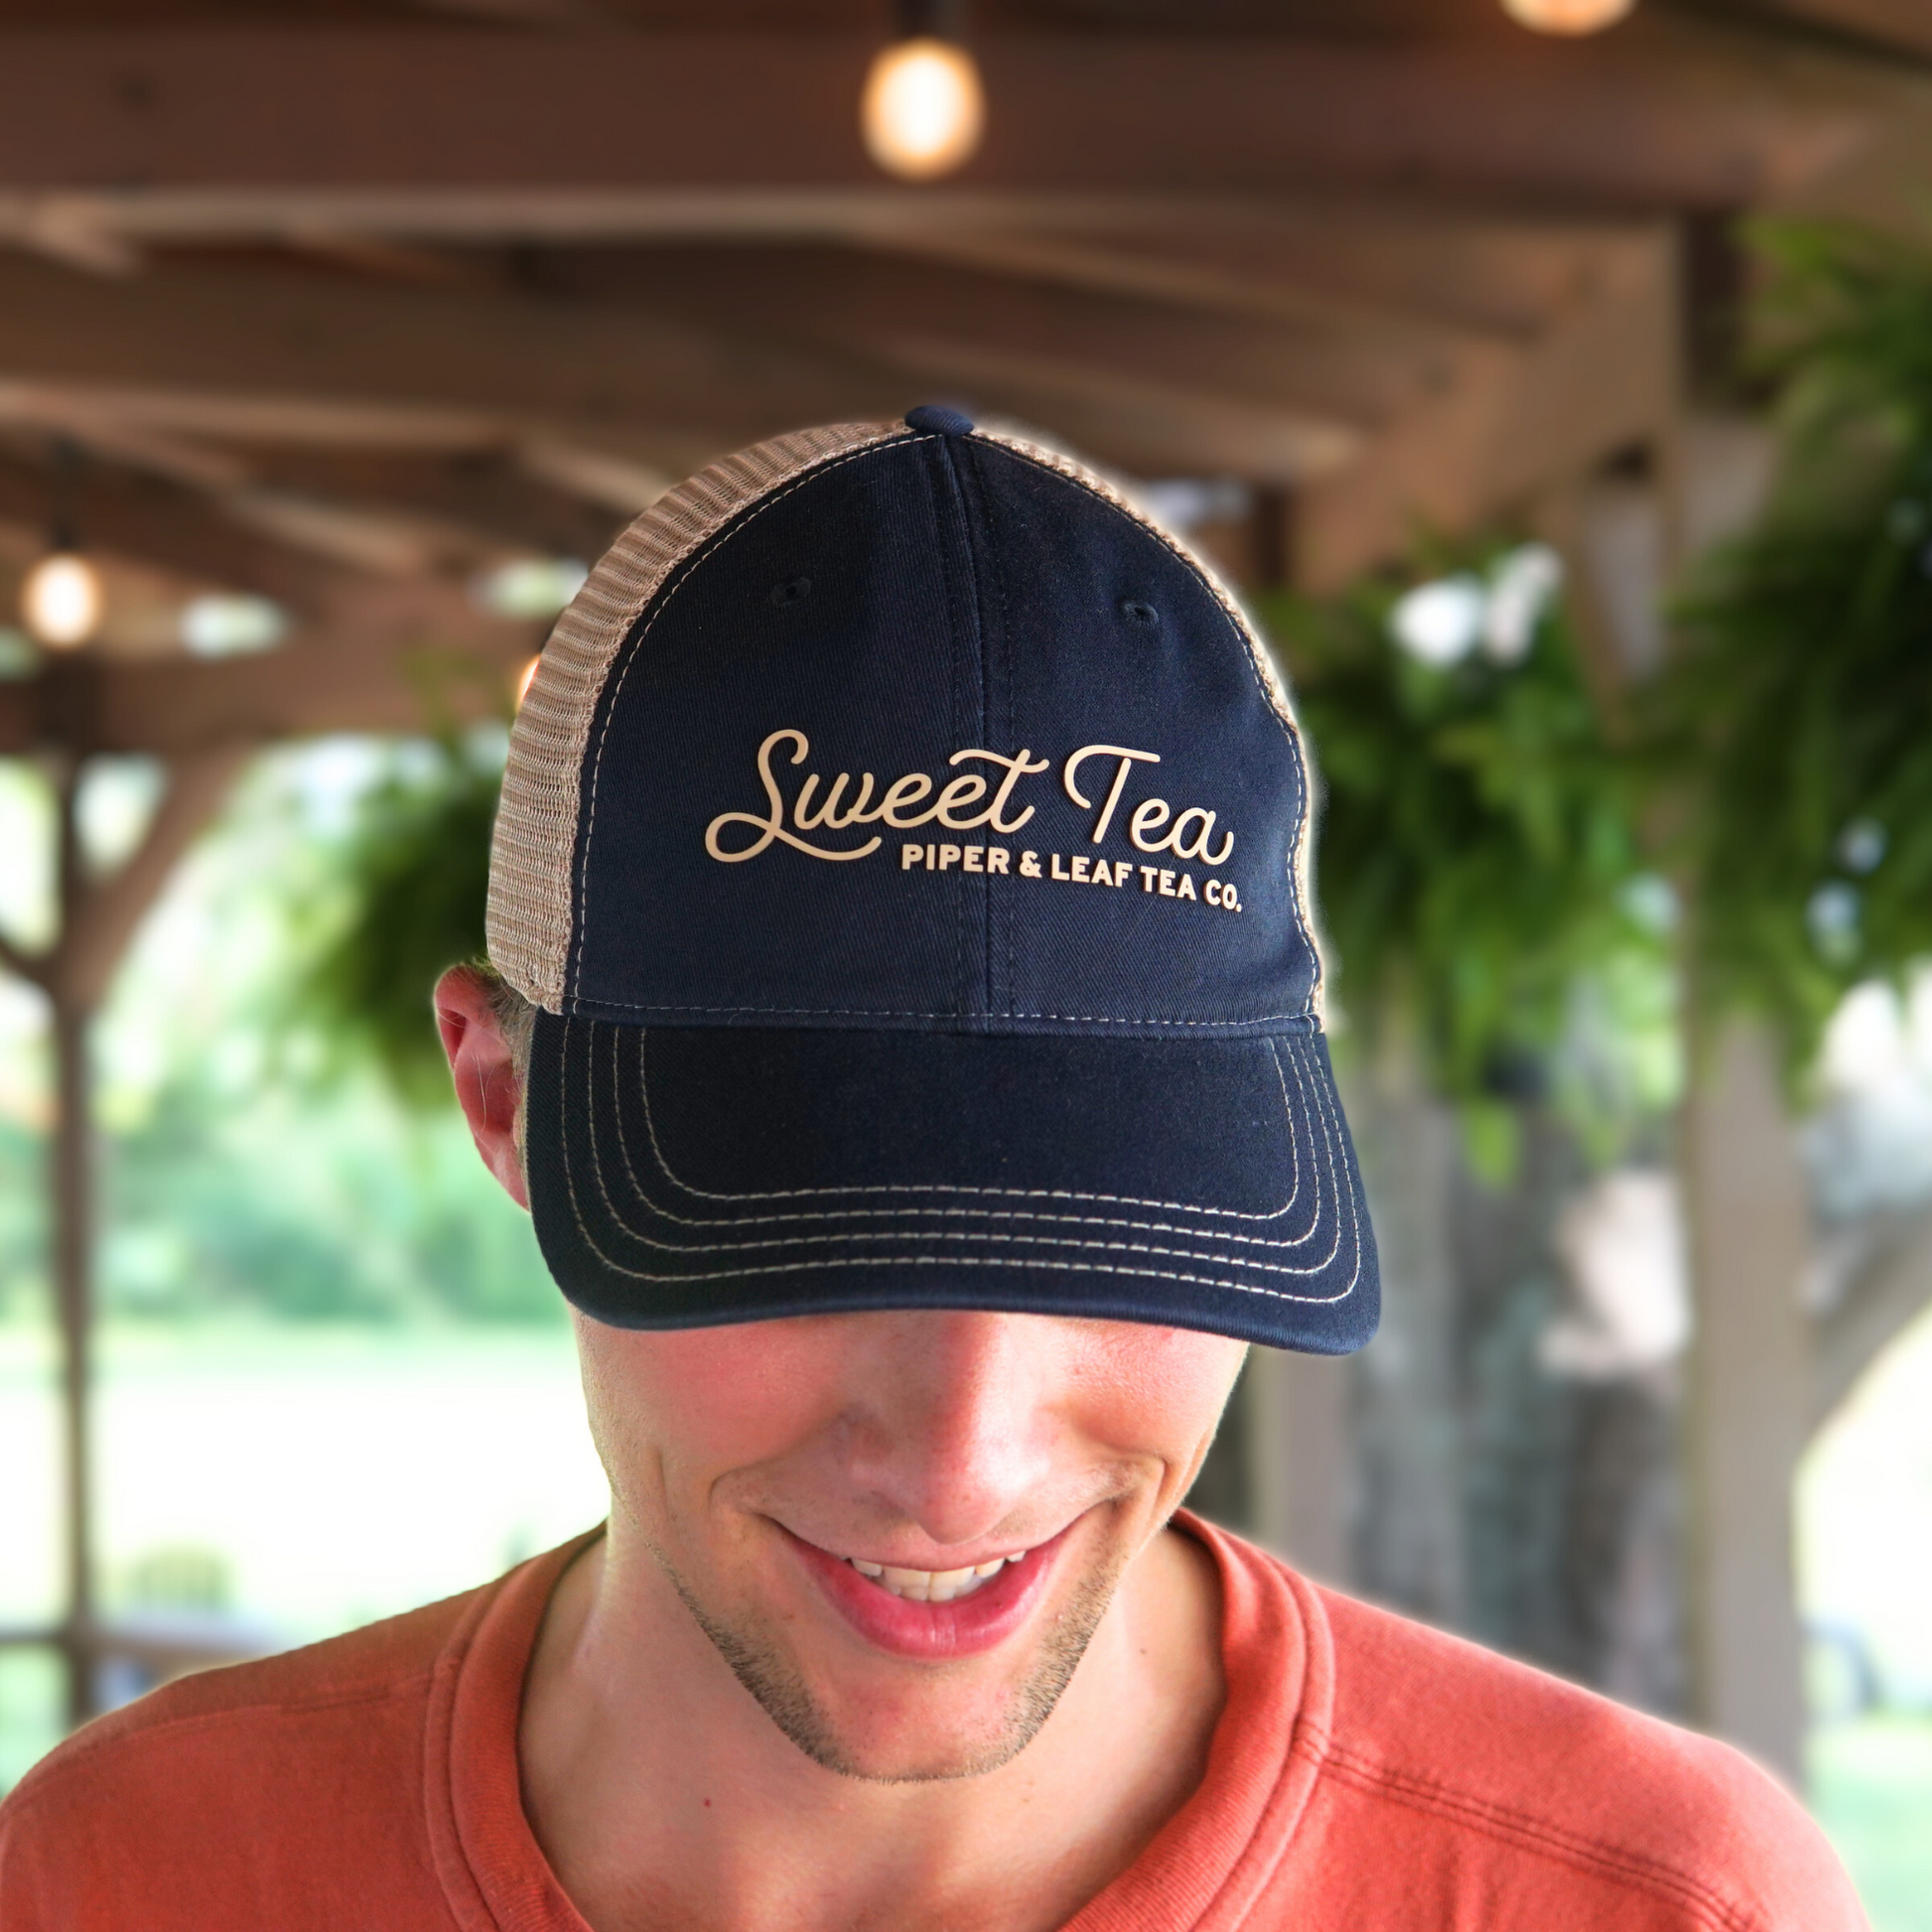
{"x": 1163, "y": 1387}
{"x": 703, "y": 1401}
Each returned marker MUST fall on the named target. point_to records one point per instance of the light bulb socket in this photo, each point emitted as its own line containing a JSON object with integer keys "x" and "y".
{"x": 935, "y": 20}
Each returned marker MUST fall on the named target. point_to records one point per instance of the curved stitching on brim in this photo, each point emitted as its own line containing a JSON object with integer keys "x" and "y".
{"x": 902, "y": 1188}
{"x": 897, "y": 1013}
{"x": 1031, "y": 1262}
{"x": 941, "y": 1234}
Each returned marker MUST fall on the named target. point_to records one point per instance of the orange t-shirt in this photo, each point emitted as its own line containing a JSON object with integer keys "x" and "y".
{"x": 1367, "y": 1773}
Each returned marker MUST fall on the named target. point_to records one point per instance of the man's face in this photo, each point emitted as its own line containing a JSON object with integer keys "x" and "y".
{"x": 773, "y": 1468}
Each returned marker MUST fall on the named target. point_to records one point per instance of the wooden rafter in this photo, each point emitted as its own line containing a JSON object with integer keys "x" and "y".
{"x": 1254, "y": 113}
{"x": 387, "y": 658}
{"x": 1602, "y": 378}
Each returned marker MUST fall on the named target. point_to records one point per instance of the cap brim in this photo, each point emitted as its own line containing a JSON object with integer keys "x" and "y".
{"x": 691, "y": 1177}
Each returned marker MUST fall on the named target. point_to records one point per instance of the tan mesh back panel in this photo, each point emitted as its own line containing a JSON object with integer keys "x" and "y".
{"x": 529, "y": 920}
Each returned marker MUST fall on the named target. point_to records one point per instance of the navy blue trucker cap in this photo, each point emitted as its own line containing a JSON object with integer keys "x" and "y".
{"x": 904, "y": 841}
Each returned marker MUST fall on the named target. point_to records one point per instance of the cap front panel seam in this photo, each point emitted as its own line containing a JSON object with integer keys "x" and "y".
{"x": 1272, "y": 695}
{"x": 530, "y": 913}
{"x": 634, "y": 650}
{"x": 977, "y": 550}
{"x": 948, "y": 491}
{"x": 893, "y": 1013}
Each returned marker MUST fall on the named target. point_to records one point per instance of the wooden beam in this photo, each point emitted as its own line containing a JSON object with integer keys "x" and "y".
{"x": 31, "y": 967}
{"x": 573, "y": 368}
{"x": 1142, "y": 384}
{"x": 1133, "y": 381}
{"x": 1137, "y": 422}
{"x": 1888, "y": 1291}
{"x": 1233, "y": 275}
{"x": 105, "y": 913}
{"x": 511, "y": 366}
{"x": 383, "y": 539}
{"x": 1668, "y": 109}
{"x": 1605, "y": 377}
{"x": 1422, "y": 264}
{"x": 303, "y": 420}
{"x": 394, "y": 658}
{"x": 137, "y": 517}
{"x": 135, "y": 422}
{"x": 1330, "y": 374}
{"x": 1903, "y": 24}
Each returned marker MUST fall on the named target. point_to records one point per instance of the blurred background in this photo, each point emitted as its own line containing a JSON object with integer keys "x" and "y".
{"x": 1553, "y": 378}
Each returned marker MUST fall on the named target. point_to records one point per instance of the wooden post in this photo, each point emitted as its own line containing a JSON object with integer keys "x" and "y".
{"x": 1300, "y": 1462}
{"x": 97, "y": 919}
{"x": 71, "y": 1195}
{"x": 1748, "y": 1403}
{"x": 1374, "y": 1507}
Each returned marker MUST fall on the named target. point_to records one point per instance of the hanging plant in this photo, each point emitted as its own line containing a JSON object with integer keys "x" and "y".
{"x": 1477, "y": 856}
{"x": 413, "y": 881}
{"x": 1800, "y": 709}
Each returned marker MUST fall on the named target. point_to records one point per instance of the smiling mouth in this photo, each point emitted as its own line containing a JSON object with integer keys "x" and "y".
{"x": 932, "y": 1585}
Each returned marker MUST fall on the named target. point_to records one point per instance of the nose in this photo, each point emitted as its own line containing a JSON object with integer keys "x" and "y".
{"x": 957, "y": 1424}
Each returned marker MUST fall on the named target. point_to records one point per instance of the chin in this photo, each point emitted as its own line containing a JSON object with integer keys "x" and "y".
{"x": 865, "y": 1714}
{"x": 908, "y": 1736}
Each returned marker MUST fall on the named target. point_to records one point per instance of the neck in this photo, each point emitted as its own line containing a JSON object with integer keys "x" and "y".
{"x": 663, "y": 1795}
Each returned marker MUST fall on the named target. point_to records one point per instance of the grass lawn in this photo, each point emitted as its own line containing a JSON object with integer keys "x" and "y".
{"x": 1871, "y": 1790}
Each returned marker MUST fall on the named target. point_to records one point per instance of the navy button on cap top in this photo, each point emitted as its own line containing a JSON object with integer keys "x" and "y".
{"x": 937, "y": 420}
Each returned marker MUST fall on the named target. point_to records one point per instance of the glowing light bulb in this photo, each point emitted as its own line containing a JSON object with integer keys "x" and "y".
{"x": 60, "y": 602}
{"x": 1572, "y": 17}
{"x": 923, "y": 111}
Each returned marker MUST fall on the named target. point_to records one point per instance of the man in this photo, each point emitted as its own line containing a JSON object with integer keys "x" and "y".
{"x": 905, "y": 1031}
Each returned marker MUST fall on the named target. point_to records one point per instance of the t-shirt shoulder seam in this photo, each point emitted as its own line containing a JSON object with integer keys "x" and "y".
{"x": 1506, "y": 1825}
{"x": 49, "y": 1777}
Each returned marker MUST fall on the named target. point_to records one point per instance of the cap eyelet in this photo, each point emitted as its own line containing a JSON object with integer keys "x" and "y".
{"x": 794, "y": 589}
{"x": 1135, "y": 611}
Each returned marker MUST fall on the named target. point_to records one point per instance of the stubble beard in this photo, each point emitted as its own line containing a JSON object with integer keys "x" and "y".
{"x": 786, "y": 1698}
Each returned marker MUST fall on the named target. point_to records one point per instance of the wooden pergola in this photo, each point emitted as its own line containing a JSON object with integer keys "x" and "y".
{"x": 341, "y": 301}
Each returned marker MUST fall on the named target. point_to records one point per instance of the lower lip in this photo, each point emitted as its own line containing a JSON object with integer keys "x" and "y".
{"x": 964, "y": 1627}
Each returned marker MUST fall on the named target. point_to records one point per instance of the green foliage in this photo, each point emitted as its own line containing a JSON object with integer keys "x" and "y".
{"x": 236, "y": 1185}
{"x": 1476, "y": 849}
{"x": 1480, "y": 863}
{"x": 414, "y": 878}
{"x": 311, "y": 1204}
{"x": 1800, "y": 713}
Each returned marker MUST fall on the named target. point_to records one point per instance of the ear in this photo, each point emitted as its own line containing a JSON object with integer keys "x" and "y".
{"x": 486, "y": 1086}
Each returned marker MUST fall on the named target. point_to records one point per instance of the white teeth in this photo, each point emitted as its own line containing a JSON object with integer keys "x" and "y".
{"x": 931, "y": 1585}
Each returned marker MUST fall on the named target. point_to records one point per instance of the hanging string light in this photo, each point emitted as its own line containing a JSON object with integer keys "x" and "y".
{"x": 60, "y": 598}
{"x": 1569, "y": 17}
{"x": 60, "y": 602}
{"x": 923, "y": 110}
